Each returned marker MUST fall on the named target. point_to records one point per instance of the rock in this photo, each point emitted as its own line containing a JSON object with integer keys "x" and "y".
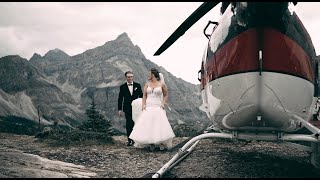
{"x": 15, "y": 163}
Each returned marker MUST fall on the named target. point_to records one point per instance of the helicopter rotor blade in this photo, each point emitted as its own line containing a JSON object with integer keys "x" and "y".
{"x": 192, "y": 19}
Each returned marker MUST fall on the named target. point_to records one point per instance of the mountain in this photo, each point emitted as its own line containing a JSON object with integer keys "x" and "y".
{"x": 97, "y": 73}
{"x": 24, "y": 88}
{"x": 56, "y": 55}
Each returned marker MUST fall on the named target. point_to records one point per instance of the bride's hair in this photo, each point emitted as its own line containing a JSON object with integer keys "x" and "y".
{"x": 155, "y": 72}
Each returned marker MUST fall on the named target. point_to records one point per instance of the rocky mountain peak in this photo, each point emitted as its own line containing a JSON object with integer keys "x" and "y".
{"x": 17, "y": 74}
{"x": 123, "y": 36}
{"x": 13, "y": 58}
{"x": 56, "y": 54}
{"x": 124, "y": 40}
{"x": 35, "y": 56}
{"x": 122, "y": 45}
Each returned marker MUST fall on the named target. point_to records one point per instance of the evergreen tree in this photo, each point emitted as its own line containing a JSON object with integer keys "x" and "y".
{"x": 96, "y": 121}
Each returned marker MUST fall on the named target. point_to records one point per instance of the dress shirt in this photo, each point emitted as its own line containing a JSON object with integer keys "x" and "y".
{"x": 130, "y": 87}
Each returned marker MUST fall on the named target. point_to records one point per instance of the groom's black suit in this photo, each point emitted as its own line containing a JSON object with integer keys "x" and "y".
{"x": 124, "y": 103}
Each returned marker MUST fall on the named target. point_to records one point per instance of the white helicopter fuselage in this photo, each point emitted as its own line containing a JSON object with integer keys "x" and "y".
{"x": 250, "y": 101}
{"x": 258, "y": 77}
{"x": 258, "y": 73}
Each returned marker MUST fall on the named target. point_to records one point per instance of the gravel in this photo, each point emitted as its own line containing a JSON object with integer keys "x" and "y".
{"x": 212, "y": 158}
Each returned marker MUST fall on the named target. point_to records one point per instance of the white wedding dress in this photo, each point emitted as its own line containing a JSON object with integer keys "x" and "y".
{"x": 151, "y": 125}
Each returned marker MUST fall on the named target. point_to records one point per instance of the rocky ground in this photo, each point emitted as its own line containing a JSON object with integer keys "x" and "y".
{"x": 26, "y": 156}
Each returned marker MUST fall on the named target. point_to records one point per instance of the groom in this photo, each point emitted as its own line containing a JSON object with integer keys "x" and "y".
{"x": 129, "y": 91}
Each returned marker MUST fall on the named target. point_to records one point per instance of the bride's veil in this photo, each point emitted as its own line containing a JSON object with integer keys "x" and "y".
{"x": 162, "y": 82}
{"x": 161, "y": 78}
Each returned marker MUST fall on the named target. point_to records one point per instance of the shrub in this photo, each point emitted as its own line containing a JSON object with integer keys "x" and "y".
{"x": 96, "y": 122}
{"x": 76, "y": 137}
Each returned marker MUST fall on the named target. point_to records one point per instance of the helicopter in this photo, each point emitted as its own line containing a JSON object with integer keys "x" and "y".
{"x": 258, "y": 77}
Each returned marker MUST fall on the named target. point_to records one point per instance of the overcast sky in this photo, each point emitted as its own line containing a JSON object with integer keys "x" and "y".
{"x": 74, "y": 27}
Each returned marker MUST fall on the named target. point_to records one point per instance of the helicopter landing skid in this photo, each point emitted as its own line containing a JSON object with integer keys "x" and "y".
{"x": 279, "y": 137}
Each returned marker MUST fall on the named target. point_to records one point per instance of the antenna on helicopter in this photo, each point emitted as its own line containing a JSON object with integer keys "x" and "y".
{"x": 192, "y": 19}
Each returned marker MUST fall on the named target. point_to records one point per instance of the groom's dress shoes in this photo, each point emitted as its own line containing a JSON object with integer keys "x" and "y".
{"x": 130, "y": 142}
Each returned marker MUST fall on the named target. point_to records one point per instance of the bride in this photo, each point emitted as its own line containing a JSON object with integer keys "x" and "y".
{"x": 152, "y": 127}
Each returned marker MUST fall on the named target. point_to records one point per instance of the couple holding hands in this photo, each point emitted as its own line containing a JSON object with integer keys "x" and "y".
{"x": 147, "y": 124}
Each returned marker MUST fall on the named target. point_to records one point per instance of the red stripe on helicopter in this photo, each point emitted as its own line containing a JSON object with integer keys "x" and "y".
{"x": 281, "y": 54}
{"x": 241, "y": 54}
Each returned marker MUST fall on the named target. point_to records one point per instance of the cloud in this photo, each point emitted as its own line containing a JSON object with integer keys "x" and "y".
{"x": 74, "y": 27}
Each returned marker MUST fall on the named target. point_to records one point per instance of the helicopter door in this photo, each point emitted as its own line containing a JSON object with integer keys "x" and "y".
{"x": 203, "y": 83}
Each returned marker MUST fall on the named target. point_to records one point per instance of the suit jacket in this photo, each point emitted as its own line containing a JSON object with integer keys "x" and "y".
{"x": 125, "y": 98}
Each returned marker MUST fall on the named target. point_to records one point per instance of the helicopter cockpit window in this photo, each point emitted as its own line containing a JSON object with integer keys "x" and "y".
{"x": 224, "y": 6}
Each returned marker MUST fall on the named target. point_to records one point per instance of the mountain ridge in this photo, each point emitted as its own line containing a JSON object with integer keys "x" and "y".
{"x": 71, "y": 82}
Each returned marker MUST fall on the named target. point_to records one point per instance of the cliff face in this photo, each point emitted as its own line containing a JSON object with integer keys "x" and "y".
{"x": 25, "y": 90}
{"x": 62, "y": 85}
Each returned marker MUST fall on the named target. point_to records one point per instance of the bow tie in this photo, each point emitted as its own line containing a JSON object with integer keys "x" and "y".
{"x": 129, "y": 84}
